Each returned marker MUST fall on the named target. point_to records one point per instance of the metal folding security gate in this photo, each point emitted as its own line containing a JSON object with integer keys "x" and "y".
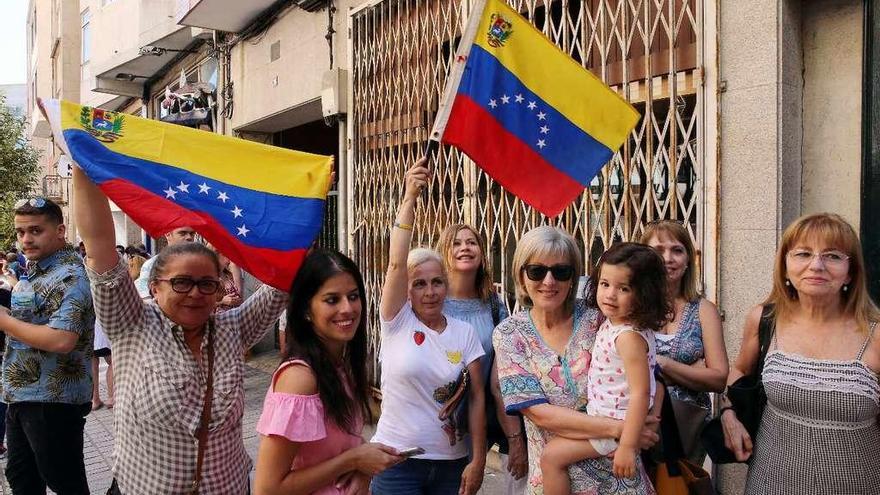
{"x": 650, "y": 51}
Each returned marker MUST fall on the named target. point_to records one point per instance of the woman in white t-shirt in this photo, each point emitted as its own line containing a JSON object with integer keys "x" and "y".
{"x": 423, "y": 356}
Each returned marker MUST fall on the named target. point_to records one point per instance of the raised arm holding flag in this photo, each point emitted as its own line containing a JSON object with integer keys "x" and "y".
{"x": 178, "y": 365}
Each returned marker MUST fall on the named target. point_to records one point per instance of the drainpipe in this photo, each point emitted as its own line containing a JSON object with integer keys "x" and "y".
{"x": 870, "y": 207}
{"x": 342, "y": 181}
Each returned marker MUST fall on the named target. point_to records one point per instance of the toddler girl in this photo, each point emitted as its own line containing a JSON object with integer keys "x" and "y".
{"x": 628, "y": 287}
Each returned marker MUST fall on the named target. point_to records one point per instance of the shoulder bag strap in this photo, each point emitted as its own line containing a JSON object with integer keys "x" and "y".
{"x": 766, "y": 327}
{"x": 206, "y": 411}
{"x": 670, "y": 436}
{"x": 496, "y": 310}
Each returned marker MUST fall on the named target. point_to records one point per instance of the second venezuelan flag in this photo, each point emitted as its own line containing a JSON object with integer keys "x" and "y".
{"x": 260, "y": 205}
{"x": 528, "y": 114}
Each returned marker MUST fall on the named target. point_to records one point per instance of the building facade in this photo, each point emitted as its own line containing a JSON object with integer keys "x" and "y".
{"x": 53, "y": 44}
{"x": 754, "y": 112}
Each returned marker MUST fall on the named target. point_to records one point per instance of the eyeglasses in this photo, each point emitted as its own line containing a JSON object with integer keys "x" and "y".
{"x": 829, "y": 258}
{"x": 536, "y": 272}
{"x": 35, "y": 202}
{"x": 183, "y": 285}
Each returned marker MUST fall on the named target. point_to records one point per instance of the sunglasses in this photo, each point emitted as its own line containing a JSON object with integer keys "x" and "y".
{"x": 182, "y": 285}
{"x": 35, "y": 202}
{"x": 561, "y": 273}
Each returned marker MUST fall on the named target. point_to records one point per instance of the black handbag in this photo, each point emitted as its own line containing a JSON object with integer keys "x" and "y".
{"x": 746, "y": 396}
{"x": 676, "y": 475}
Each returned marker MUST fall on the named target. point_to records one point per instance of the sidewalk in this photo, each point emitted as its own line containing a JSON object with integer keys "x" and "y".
{"x": 98, "y": 437}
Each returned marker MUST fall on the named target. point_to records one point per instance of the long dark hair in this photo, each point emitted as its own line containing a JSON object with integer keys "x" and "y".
{"x": 652, "y": 309}
{"x": 303, "y": 343}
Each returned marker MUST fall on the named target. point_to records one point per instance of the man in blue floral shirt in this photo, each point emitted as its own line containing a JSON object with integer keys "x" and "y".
{"x": 47, "y": 378}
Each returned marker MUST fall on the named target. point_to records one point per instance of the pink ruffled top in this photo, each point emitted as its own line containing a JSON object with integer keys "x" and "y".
{"x": 301, "y": 419}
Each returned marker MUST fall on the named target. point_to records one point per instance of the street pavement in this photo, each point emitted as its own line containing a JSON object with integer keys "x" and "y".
{"x": 98, "y": 438}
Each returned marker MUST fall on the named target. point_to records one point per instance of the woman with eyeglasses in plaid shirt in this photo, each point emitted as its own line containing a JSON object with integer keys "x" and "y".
{"x": 168, "y": 352}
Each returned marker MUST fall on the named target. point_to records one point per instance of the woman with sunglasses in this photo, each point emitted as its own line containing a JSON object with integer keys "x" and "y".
{"x": 177, "y": 366}
{"x": 543, "y": 354}
{"x": 690, "y": 347}
{"x": 427, "y": 358}
{"x": 821, "y": 369}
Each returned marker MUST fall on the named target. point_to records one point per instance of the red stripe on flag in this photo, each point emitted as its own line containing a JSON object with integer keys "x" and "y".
{"x": 509, "y": 161}
{"x": 157, "y": 216}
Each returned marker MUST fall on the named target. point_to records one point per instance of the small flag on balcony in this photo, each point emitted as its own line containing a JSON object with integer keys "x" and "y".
{"x": 529, "y": 115}
{"x": 259, "y": 205}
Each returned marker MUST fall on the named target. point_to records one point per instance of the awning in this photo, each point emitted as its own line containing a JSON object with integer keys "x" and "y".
{"x": 126, "y": 73}
{"x": 222, "y": 15}
{"x": 304, "y": 113}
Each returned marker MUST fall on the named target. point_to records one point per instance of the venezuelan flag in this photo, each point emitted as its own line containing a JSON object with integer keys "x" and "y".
{"x": 259, "y": 205}
{"x": 527, "y": 113}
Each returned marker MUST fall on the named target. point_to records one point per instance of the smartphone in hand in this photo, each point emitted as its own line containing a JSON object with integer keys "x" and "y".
{"x": 412, "y": 451}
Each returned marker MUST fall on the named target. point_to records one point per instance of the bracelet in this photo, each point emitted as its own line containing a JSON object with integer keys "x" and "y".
{"x": 404, "y": 226}
{"x": 724, "y": 409}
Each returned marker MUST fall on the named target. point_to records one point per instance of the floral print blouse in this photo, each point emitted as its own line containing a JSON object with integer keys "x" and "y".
{"x": 531, "y": 373}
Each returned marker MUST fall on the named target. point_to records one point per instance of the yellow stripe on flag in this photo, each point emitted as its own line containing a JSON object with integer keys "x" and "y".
{"x": 229, "y": 160}
{"x": 560, "y": 81}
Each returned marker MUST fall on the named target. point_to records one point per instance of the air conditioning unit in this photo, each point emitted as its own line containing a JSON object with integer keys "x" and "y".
{"x": 311, "y": 5}
{"x": 334, "y": 92}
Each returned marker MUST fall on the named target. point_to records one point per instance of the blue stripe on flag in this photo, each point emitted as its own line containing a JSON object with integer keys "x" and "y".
{"x": 271, "y": 220}
{"x": 525, "y": 115}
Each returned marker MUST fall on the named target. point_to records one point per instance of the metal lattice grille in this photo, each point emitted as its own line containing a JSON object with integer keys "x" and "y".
{"x": 401, "y": 52}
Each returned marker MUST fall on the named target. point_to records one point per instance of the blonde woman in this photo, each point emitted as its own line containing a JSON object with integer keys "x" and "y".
{"x": 543, "y": 356}
{"x": 819, "y": 431}
{"x": 471, "y": 297}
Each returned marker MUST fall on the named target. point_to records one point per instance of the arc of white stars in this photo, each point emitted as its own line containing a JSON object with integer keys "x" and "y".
{"x": 236, "y": 211}
{"x": 204, "y": 187}
{"x": 170, "y": 193}
{"x": 542, "y": 116}
{"x": 243, "y": 230}
{"x": 545, "y": 130}
{"x": 505, "y": 99}
{"x": 222, "y": 196}
{"x": 183, "y": 187}
{"x": 519, "y": 98}
{"x": 541, "y": 143}
{"x": 493, "y": 103}
{"x": 532, "y": 105}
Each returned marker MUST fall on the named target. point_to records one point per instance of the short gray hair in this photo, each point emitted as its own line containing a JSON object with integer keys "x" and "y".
{"x": 421, "y": 255}
{"x": 545, "y": 240}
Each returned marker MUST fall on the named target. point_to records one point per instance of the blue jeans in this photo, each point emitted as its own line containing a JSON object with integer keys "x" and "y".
{"x": 2, "y": 423}
{"x": 420, "y": 477}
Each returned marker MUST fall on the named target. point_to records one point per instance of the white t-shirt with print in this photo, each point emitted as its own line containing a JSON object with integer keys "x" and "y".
{"x": 419, "y": 368}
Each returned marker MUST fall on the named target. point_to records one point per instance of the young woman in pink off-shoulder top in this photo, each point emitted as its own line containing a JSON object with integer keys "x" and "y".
{"x": 317, "y": 402}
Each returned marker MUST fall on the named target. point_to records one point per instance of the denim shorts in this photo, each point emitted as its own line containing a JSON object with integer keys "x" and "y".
{"x": 420, "y": 477}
